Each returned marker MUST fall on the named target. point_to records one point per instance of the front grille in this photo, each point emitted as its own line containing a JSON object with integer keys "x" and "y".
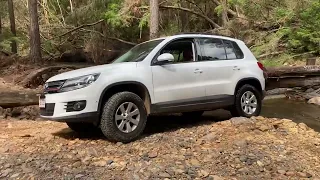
{"x": 53, "y": 87}
{"x": 48, "y": 111}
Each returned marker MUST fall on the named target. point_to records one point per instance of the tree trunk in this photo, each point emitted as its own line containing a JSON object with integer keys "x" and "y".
{"x": 299, "y": 71}
{"x": 0, "y": 25}
{"x": 154, "y": 19}
{"x": 12, "y": 26}
{"x": 224, "y": 12}
{"x": 45, "y": 11}
{"x": 35, "y": 48}
{"x": 293, "y": 82}
{"x": 71, "y": 6}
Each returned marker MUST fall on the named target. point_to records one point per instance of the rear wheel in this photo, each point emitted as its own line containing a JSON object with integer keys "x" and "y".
{"x": 124, "y": 117}
{"x": 193, "y": 114}
{"x": 82, "y": 127}
{"x": 248, "y": 102}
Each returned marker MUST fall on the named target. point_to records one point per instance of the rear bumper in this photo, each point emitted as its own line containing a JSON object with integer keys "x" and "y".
{"x": 92, "y": 117}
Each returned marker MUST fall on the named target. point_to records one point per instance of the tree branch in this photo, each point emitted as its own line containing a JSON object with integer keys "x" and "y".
{"x": 113, "y": 38}
{"x": 80, "y": 27}
{"x": 230, "y": 11}
{"x": 193, "y": 12}
{"x": 193, "y": 3}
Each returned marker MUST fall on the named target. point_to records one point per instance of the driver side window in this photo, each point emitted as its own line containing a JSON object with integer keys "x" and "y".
{"x": 182, "y": 51}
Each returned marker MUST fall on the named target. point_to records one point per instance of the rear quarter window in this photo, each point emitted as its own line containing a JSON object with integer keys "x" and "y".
{"x": 233, "y": 51}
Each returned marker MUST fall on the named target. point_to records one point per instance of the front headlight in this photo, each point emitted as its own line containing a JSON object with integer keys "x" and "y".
{"x": 79, "y": 82}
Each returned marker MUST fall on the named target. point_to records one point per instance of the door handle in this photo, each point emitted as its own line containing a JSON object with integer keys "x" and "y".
{"x": 236, "y": 68}
{"x": 198, "y": 71}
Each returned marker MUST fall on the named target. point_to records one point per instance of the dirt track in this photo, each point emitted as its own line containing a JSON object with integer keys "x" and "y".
{"x": 172, "y": 147}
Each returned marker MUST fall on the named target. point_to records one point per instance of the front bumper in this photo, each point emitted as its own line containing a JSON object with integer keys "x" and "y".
{"x": 92, "y": 117}
{"x": 57, "y": 106}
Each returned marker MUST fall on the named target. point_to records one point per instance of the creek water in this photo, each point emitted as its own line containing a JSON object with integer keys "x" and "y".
{"x": 295, "y": 110}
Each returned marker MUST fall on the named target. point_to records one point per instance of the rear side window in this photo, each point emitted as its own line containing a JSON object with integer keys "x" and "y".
{"x": 212, "y": 49}
{"x": 233, "y": 51}
{"x": 217, "y": 49}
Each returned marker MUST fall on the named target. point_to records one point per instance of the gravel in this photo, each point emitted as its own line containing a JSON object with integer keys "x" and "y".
{"x": 239, "y": 148}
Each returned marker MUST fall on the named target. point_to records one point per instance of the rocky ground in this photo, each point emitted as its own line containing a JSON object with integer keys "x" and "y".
{"x": 171, "y": 148}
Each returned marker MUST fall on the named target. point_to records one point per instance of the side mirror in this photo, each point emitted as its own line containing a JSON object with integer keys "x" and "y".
{"x": 165, "y": 58}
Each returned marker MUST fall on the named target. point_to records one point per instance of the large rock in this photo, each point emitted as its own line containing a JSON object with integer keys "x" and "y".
{"x": 315, "y": 100}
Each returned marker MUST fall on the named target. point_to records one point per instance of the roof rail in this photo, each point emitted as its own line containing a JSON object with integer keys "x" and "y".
{"x": 198, "y": 33}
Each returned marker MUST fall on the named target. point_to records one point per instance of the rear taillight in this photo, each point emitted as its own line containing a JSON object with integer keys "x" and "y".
{"x": 260, "y": 66}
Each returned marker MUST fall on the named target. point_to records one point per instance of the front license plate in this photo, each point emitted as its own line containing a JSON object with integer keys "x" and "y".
{"x": 42, "y": 102}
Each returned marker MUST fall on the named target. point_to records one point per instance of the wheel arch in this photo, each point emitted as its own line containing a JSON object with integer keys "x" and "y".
{"x": 131, "y": 86}
{"x": 251, "y": 81}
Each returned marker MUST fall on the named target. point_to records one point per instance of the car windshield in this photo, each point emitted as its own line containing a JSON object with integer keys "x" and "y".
{"x": 139, "y": 52}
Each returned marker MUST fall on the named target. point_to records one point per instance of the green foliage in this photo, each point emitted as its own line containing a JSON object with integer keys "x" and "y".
{"x": 113, "y": 14}
{"x": 306, "y": 35}
{"x": 219, "y": 10}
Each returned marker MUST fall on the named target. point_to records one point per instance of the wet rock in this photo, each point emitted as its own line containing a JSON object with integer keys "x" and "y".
{"x": 315, "y": 100}
{"x": 16, "y": 112}
{"x": 310, "y": 90}
{"x": 1, "y": 111}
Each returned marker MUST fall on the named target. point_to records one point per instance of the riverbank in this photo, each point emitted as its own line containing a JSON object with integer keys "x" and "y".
{"x": 172, "y": 147}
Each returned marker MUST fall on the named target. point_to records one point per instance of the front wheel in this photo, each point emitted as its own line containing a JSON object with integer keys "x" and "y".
{"x": 248, "y": 102}
{"x": 124, "y": 117}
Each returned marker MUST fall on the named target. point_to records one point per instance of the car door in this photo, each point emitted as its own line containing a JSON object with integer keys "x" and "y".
{"x": 178, "y": 84}
{"x": 219, "y": 71}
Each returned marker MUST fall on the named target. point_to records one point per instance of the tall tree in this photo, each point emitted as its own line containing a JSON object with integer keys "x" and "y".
{"x": 12, "y": 26}
{"x": 35, "y": 46}
{"x": 154, "y": 19}
{"x": 224, "y": 4}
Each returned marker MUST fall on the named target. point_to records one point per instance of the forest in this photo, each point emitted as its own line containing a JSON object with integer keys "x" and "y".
{"x": 279, "y": 32}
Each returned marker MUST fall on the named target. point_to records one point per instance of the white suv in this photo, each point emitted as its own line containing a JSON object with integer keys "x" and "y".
{"x": 186, "y": 74}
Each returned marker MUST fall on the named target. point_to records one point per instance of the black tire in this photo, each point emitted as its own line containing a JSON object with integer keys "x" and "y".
{"x": 237, "y": 111}
{"x": 82, "y": 127}
{"x": 108, "y": 124}
{"x": 193, "y": 114}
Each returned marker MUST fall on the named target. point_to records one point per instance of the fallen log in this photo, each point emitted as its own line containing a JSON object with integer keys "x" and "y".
{"x": 294, "y": 71}
{"x": 291, "y": 82}
{"x": 18, "y": 104}
{"x": 39, "y": 76}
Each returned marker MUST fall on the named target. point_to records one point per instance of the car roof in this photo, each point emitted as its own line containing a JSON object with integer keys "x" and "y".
{"x": 194, "y": 35}
{"x": 191, "y": 35}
